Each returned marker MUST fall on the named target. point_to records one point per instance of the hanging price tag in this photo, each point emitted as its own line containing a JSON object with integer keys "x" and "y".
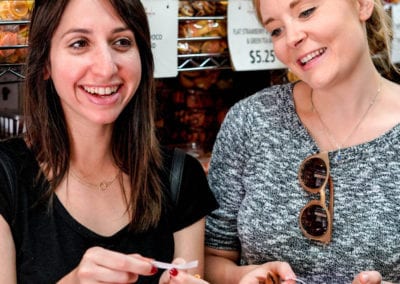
{"x": 396, "y": 33}
{"x": 163, "y": 21}
{"x": 250, "y": 45}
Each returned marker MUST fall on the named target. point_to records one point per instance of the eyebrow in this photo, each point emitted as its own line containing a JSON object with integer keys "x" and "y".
{"x": 292, "y": 5}
{"x": 86, "y": 31}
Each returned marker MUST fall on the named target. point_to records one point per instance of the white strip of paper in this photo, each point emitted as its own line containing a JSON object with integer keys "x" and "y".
{"x": 165, "y": 265}
{"x": 396, "y": 33}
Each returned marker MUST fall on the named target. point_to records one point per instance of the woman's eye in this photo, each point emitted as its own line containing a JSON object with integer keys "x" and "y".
{"x": 123, "y": 42}
{"x": 307, "y": 12}
{"x": 276, "y": 32}
{"x": 79, "y": 44}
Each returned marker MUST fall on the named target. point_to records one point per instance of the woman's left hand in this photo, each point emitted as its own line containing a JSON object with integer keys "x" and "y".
{"x": 275, "y": 269}
{"x": 179, "y": 276}
{"x": 369, "y": 277}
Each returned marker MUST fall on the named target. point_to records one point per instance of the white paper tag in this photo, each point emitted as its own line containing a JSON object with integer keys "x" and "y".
{"x": 250, "y": 45}
{"x": 163, "y": 21}
{"x": 396, "y": 33}
{"x": 166, "y": 265}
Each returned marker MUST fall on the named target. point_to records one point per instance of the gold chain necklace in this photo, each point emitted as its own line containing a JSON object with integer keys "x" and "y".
{"x": 103, "y": 185}
{"x": 332, "y": 139}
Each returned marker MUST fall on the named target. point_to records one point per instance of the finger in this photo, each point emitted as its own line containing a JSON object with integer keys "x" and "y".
{"x": 90, "y": 271}
{"x": 165, "y": 277}
{"x": 281, "y": 269}
{"x": 121, "y": 262}
{"x": 185, "y": 278}
{"x": 138, "y": 256}
{"x": 271, "y": 279}
{"x": 256, "y": 276}
{"x": 177, "y": 260}
{"x": 170, "y": 273}
{"x": 368, "y": 277}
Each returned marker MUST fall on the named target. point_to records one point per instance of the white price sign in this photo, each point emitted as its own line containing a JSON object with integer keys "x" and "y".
{"x": 396, "y": 33}
{"x": 163, "y": 21}
{"x": 250, "y": 46}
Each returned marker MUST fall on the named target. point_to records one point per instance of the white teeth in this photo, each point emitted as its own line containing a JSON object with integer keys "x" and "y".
{"x": 101, "y": 91}
{"x": 312, "y": 55}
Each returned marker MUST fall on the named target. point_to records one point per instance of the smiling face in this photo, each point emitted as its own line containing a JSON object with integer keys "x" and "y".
{"x": 94, "y": 62}
{"x": 321, "y": 41}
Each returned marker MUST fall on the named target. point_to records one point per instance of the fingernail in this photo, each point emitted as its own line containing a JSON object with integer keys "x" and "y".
{"x": 173, "y": 272}
{"x": 153, "y": 270}
{"x": 289, "y": 277}
{"x": 365, "y": 277}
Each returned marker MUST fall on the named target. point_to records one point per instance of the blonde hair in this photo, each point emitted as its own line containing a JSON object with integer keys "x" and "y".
{"x": 379, "y": 34}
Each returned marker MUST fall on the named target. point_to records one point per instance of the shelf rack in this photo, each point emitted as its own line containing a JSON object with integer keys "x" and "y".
{"x": 203, "y": 61}
{"x": 15, "y": 69}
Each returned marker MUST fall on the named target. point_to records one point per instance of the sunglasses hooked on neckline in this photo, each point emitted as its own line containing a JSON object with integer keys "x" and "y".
{"x": 316, "y": 219}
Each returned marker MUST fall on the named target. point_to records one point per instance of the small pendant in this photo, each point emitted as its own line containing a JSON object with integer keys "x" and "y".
{"x": 103, "y": 185}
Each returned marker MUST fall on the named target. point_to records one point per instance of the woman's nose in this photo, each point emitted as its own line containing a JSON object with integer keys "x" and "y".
{"x": 295, "y": 35}
{"x": 104, "y": 61}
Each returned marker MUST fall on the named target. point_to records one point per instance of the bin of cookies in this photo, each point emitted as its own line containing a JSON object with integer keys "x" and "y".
{"x": 15, "y": 10}
{"x": 14, "y": 20}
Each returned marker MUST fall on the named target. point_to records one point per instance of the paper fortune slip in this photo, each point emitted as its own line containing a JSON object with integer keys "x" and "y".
{"x": 165, "y": 265}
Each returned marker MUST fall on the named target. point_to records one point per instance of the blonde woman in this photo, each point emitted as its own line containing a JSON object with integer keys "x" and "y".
{"x": 307, "y": 174}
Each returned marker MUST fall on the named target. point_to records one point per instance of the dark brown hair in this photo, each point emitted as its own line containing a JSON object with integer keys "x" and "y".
{"x": 134, "y": 144}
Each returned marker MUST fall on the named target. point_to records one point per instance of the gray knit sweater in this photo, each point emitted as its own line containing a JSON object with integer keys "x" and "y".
{"x": 253, "y": 174}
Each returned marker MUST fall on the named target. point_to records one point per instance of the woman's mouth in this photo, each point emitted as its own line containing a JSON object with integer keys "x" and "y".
{"x": 101, "y": 91}
{"x": 304, "y": 60}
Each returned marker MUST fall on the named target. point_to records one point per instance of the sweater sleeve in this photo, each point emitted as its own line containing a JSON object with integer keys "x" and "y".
{"x": 226, "y": 167}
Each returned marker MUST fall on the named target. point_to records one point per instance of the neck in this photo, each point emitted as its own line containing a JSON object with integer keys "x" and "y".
{"x": 340, "y": 139}
{"x": 347, "y": 97}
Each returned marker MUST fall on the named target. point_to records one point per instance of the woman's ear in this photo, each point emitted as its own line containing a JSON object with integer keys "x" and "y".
{"x": 365, "y": 9}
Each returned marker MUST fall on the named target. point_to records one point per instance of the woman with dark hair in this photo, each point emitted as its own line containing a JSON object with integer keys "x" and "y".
{"x": 91, "y": 198}
{"x": 307, "y": 174}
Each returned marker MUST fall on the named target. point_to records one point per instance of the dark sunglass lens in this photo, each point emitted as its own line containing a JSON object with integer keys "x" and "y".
{"x": 313, "y": 173}
{"x": 314, "y": 220}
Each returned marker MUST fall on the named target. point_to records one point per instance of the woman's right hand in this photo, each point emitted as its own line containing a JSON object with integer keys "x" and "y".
{"x": 276, "y": 269}
{"x": 369, "y": 277}
{"x": 175, "y": 276}
{"x": 99, "y": 265}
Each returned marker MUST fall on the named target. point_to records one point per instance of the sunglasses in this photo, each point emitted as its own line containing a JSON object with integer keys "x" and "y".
{"x": 316, "y": 219}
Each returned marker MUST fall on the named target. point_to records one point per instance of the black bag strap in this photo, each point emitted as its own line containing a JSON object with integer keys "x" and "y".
{"x": 175, "y": 178}
{"x": 11, "y": 176}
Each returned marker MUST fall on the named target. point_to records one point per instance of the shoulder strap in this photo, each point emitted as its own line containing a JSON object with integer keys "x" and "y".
{"x": 9, "y": 169}
{"x": 178, "y": 162}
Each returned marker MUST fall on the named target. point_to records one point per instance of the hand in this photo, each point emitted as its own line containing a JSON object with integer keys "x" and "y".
{"x": 99, "y": 265}
{"x": 175, "y": 276}
{"x": 276, "y": 270}
{"x": 369, "y": 277}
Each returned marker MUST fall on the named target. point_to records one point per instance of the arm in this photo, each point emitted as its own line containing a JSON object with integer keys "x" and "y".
{"x": 228, "y": 160}
{"x": 7, "y": 252}
{"x": 189, "y": 245}
{"x": 221, "y": 266}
